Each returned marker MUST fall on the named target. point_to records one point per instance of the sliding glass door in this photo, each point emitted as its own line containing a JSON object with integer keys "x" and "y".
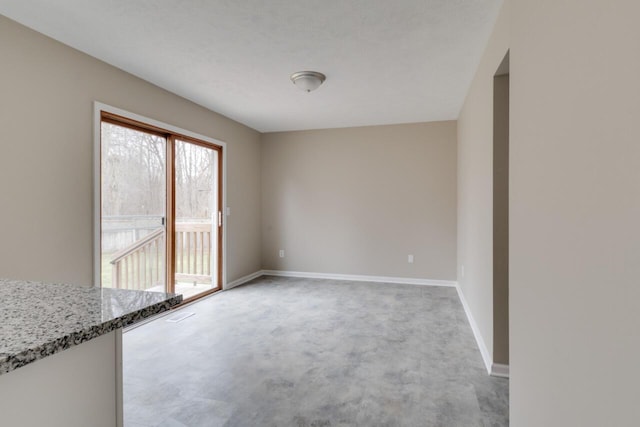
{"x": 134, "y": 201}
{"x": 197, "y": 210}
{"x": 161, "y": 210}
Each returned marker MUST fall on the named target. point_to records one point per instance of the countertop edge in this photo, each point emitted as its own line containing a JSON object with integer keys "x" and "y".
{"x": 12, "y": 362}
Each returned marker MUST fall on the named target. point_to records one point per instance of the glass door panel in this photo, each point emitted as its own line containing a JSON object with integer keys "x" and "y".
{"x": 133, "y": 204}
{"x": 196, "y": 218}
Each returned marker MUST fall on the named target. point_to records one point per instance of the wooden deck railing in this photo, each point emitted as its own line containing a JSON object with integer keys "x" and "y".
{"x": 141, "y": 265}
{"x": 193, "y": 254}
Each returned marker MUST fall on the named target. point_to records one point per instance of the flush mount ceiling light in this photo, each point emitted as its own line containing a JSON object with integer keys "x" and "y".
{"x": 308, "y": 80}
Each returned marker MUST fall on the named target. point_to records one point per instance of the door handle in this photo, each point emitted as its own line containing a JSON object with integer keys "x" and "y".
{"x": 219, "y": 218}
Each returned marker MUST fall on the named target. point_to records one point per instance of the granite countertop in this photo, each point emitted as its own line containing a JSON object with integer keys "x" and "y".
{"x": 41, "y": 319}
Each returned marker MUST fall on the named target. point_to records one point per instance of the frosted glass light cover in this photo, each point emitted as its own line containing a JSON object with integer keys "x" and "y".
{"x": 307, "y": 80}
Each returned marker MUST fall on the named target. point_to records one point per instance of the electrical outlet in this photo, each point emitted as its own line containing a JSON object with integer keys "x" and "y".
{"x": 281, "y": 253}
{"x": 410, "y": 259}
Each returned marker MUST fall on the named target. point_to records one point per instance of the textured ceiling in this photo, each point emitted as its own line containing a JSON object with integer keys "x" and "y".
{"x": 386, "y": 61}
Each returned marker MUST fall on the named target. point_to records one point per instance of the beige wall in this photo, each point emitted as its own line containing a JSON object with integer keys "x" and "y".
{"x": 47, "y": 92}
{"x": 575, "y": 211}
{"x": 360, "y": 200}
{"x": 475, "y": 185}
{"x": 77, "y": 387}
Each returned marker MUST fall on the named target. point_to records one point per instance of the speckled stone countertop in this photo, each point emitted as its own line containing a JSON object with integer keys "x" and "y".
{"x": 41, "y": 319}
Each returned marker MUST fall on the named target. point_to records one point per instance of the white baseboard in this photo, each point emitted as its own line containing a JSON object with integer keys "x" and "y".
{"x": 244, "y": 279}
{"x": 500, "y": 370}
{"x": 360, "y": 278}
{"x": 486, "y": 356}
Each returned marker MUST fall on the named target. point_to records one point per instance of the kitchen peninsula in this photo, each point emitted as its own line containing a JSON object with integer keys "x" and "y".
{"x": 61, "y": 354}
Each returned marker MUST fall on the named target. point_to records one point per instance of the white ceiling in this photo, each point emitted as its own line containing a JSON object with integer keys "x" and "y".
{"x": 386, "y": 61}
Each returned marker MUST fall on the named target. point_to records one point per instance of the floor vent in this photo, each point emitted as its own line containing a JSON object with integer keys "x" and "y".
{"x": 179, "y": 317}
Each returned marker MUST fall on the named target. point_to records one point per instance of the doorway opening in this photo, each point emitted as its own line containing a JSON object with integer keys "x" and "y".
{"x": 160, "y": 209}
{"x": 501, "y": 219}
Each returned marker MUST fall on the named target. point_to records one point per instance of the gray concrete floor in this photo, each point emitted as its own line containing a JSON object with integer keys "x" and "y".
{"x": 310, "y": 352}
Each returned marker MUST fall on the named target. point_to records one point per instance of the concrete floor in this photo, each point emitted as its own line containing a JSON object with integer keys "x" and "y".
{"x": 310, "y": 352}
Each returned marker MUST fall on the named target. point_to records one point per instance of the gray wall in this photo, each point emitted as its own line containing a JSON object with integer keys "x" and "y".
{"x": 47, "y": 92}
{"x": 360, "y": 200}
